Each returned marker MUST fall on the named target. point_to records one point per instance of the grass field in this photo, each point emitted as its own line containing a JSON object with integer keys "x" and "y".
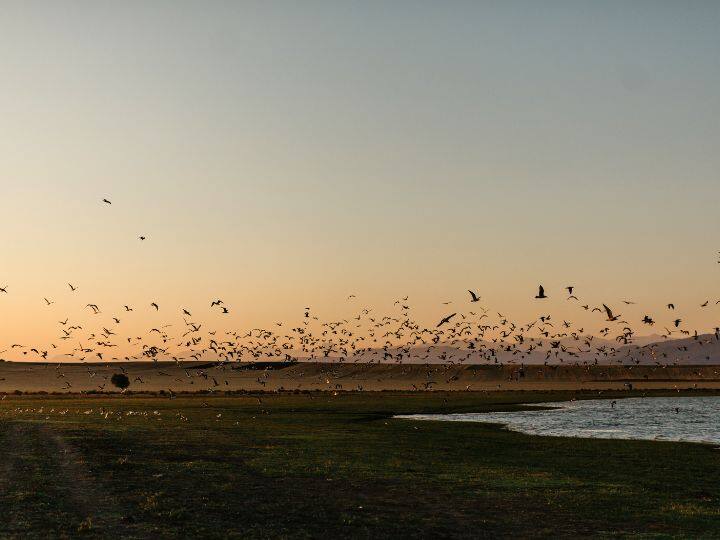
{"x": 318, "y": 465}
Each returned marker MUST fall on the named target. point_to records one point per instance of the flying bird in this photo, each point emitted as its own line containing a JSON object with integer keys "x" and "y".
{"x": 474, "y": 297}
{"x": 541, "y": 292}
{"x": 106, "y": 201}
{"x": 445, "y": 320}
{"x": 610, "y": 315}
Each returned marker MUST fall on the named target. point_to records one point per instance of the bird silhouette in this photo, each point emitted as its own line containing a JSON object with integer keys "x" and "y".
{"x": 610, "y": 315}
{"x": 446, "y": 320}
{"x": 541, "y": 292}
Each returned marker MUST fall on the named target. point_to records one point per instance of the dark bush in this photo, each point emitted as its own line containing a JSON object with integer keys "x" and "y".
{"x": 120, "y": 380}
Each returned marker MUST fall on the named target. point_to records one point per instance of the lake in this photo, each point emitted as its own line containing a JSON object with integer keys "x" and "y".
{"x": 691, "y": 419}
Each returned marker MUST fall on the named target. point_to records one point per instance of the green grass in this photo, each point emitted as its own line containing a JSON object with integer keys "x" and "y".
{"x": 318, "y": 465}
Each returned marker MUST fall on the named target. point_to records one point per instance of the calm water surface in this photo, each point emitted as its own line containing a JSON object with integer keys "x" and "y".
{"x": 693, "y": 419}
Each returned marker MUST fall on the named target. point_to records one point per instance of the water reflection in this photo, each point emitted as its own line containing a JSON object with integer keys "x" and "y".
{"x": 694, "y": 419}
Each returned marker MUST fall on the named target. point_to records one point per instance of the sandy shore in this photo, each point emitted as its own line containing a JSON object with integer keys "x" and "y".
{"x": 197, "y": 377}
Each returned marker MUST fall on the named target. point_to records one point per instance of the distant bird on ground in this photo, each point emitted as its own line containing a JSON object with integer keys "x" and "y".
{"x": 541, "y": 292}
{"x": 446, "y": 320}
{"x": 474, "y": 297}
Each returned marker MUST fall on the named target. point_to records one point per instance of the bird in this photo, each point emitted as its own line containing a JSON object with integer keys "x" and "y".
{"x": 446, "y": 320}
{"x": 216, "y": 303}
{"x": 128, "y": 308}
{"x": 72, "y": 288}
{"x": 474, "y": 297}
{"x": 186, "y": 312}
{"x": 106, "y": 201}
{"x": 48, "y": 302}
{"x": 570, "y": 289}
{"x": 677, "y": 322}
{"x": 3, "y": 289}
{"x": 157, "y": 308}
{"x": 610, "y": 315}
{"x": 541, "y": 292}
{"x": 141, "y": 238}
{"x": 671, "y": 306}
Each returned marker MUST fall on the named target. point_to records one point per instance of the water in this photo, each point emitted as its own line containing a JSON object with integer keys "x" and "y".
{"x": 691, "y": 419}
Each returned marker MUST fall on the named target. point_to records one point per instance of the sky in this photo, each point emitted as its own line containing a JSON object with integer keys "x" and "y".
{"x": 280, "y": 155}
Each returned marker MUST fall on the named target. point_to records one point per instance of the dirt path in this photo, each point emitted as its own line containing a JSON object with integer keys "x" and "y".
{"x": 45, "y": 484}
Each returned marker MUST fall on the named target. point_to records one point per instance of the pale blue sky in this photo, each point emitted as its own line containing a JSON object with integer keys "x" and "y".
{"x": 282, "y": 153}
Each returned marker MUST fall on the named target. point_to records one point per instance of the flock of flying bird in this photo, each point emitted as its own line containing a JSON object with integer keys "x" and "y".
{"x": 475, "y": 335}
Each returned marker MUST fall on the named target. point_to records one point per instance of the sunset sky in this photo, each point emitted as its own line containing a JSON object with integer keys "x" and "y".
{"x": 279, "y": 155}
